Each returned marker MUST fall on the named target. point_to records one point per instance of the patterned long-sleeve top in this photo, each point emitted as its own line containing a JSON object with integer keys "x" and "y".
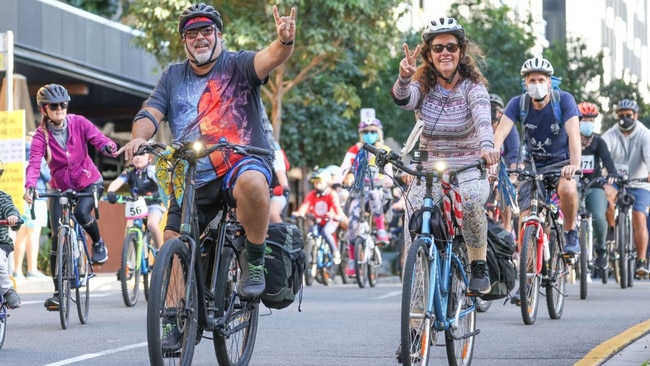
{"x": 7, "y": 208}
{"x": 456, "y": 126}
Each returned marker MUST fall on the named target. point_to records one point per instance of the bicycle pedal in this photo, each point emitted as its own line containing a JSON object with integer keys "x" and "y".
{"x": 52, "y": 308}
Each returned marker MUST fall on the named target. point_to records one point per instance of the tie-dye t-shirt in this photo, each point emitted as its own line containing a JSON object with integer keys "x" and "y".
{"x": 224, "y": 103}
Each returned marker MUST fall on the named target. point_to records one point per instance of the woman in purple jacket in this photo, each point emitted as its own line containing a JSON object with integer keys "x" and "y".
{"x": 63, "y": 140}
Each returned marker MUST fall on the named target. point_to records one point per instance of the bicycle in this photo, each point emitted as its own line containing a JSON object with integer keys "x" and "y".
{"x": 624, "y": 239}
{"x": 585, "y": 234}
{"x": 435, "y": 281}
{"x": 3, "y": 304}
{"x": 542, "y": 261}
{"x": 194, "y": 282}
{"x": 367, "y": 254}
{"x": 321, "y": 261}
{"x": 138, "y": 252}
{"x": 73, "y": 265}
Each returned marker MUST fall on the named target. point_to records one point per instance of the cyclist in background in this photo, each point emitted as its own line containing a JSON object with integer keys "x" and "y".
{"x": 141, "y": 178}
{"x": 551, "y": 143}
{"x": 280, "y": 182}
{"x": 323, "y": 203}
{"x": 370, "y": 132}
{"x": 509, "y": 154}
{"x": 595, "y": 157}
{"x": 629, "y": 145}
{"x": 63, "y": 140}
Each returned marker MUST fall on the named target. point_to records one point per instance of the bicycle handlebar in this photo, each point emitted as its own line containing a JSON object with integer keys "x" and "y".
{"x": 384, "y": 157}
{"x": 198, "y": 149}
{"x": 6, "y": 222}
{"x": 524, "y": 174}
{"x": 70, "y": 194}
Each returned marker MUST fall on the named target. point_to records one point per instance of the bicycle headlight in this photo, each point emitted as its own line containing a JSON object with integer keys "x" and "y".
{"x": 198, "y": 146}
{"x": 441, "y": 166}
{"x": 63, "y": 200}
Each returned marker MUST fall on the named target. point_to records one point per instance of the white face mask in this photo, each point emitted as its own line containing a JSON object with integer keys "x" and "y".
{"x": 537, "y": 91}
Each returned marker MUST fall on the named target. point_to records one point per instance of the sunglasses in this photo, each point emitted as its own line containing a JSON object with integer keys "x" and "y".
{"x": 55, "y": 106}
{"x": 451, "y": 47}
{"x": 193, "y": 33}
{"x": 628, "y": 115}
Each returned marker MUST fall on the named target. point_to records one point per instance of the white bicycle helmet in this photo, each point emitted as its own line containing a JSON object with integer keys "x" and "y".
{"x": 537, "y": 64}
{"x": 442, "y": 26}
{"x": 495, "y": 99}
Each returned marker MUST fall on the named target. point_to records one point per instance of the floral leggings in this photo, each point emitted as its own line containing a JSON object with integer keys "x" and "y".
{"x": 474, "y": 192}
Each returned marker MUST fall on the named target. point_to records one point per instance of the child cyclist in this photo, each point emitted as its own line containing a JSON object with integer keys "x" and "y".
{"x": 10, "y": 213}
{"x": 141, "y": 179}
{"x": 323, "y": 203}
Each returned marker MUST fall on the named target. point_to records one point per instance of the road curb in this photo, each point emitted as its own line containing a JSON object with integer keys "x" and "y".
{"x": 608, "y": 349}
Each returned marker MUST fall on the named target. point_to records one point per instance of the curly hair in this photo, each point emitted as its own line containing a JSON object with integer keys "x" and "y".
{"x": 468, "y": 68}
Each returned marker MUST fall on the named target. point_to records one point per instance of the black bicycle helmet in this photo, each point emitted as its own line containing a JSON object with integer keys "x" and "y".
{"x": 627, "y": 104}
{"x": 196, "y": 11}
{"x": 495, "y": 99}
{"x": 442, "y": 26}
{"x": 52, "y": 93}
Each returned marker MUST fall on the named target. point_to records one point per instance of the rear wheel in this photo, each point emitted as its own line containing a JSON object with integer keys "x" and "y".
{"x": 167, "y": 317}
{"x": 360, "y": 262}
{"x": 64, "y": 274}
{"x": 345, "y": 258}
{"x": 374, "y": 262}
{"x": 85, "y": 273}
{"x": 417, "y": 332}
{"x": 312, "y": 249}
{"x": 130, "y": 270}
{"x": 529, "y": 278}
{"x": 234, "y": 343}
{"x": 459, "y": 339}
{"x": 557, "y": 278}
{"x": 149, "y": 260}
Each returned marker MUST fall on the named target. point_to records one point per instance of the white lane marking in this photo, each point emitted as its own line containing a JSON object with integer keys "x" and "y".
{"x": 95, "y": 355}
{"x": 385, "y": 296}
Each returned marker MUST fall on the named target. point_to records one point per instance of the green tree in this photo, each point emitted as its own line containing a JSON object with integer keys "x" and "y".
{"x": 330, "y": 33}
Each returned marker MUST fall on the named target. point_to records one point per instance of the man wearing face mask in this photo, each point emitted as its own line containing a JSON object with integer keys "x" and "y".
{"x": 370, "y": 132}
{"x": 595, "y": 157}
{"x": 629, "y": 145}
{"x": 551, "y": 143}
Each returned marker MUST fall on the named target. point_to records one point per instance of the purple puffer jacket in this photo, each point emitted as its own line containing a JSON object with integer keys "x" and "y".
{"x": 71, "y": 168}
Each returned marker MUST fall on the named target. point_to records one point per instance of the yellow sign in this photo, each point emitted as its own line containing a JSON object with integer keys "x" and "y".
{"x": 12, "y": 154}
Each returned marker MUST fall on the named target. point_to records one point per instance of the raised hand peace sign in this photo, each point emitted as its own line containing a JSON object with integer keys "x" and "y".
{"x": 408, "y": 64}
{"x": 286, "y": 25}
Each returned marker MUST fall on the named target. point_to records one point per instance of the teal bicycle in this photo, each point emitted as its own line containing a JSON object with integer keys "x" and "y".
{"x": 138, "y": 251}
{"x": 435, "y": 281}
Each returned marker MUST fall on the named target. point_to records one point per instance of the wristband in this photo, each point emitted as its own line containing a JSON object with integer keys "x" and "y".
{"x": 289, "y": 43}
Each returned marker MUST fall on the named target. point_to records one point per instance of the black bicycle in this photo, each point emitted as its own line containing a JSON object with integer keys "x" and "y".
{"x": 194, "y": 282}
{"x": 73, "y": 265}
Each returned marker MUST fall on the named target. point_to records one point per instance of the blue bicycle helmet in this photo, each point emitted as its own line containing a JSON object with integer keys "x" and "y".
{"x": 627, "y": 104}
{"x": 52, "y": 93}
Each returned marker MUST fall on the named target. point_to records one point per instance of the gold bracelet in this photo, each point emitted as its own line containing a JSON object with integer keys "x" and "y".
{"x": 290, "y": 43}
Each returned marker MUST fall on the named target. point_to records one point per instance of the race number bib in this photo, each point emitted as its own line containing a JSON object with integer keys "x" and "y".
{"x": 623, "y": 169}
{"x": 136, "y": 209}
{"x": 587, "y": 164}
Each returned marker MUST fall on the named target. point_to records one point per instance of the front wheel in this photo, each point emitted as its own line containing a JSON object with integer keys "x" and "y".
{"x": 459, "y": 339}
{"x": 360, "y": 262}
{"x": 622, "y": 237}
{"x": 557, "y": 278}
{"x": 417, "y": 333}
{"x": 130, "y": 270}
{"x": 585, "y": 249}
{"x": 374, "y": 263}
{"x": 171, "y": 320}
{"x": 3, "y": 323}
{"x": 234, "y": 342}
{"x": 64, "y": 274}
{"x": 529, "y": 277}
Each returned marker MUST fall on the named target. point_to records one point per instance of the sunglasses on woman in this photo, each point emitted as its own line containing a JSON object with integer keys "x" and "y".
{"x": 451, "y": 47}
{"x": 55, "y": 106}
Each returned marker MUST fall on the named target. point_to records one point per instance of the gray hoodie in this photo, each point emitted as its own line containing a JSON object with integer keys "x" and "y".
{"x": 631, "y": 153}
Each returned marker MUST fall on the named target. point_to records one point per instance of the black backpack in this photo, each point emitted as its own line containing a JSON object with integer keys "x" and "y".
{"x": 500, "y": 248}
{"x": 285, "y": 264}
